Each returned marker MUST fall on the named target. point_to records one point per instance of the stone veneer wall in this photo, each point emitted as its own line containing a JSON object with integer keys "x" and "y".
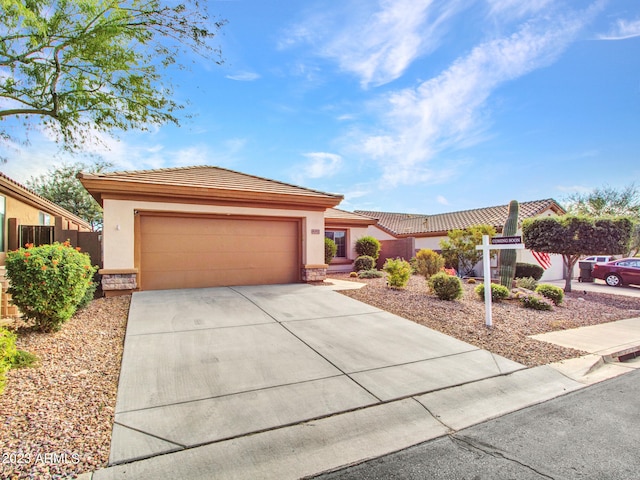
{"x": 119, "y": 281}
{"x": 314, "y": 273}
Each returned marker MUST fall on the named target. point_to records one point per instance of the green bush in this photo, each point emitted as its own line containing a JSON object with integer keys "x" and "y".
{"x": 7, "y": 353}
{"x": 498, "y": 292}
{"x": 445, "y": 286}
{"x": 535, "y": 303}
{"x": 364, "y": 262}
{"x": 553, "y": 293}
{"x": 370, "y": 274}
{"x": 23, "y": 359}
{"x": 369, "y": 246}
{"x": 399, "y": 272}
{"x": 48, "y": 282}
{"x": 427, "y": 262}
{"x": 529, "y": 270}
{"x": 528, "y": 283}
{"x": 330, "y": 250}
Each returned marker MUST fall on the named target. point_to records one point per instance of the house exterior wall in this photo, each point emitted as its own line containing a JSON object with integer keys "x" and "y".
{"x": 119, "y": 231}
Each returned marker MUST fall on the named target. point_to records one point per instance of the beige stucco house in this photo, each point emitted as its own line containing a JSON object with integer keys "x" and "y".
{"x": 403, "y": 234}
{"x": 345, "y": 228}
{"x": 207, "y": 226}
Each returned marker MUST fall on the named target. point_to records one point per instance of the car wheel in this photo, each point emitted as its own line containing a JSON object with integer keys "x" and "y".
{"x": 613, "y": 280}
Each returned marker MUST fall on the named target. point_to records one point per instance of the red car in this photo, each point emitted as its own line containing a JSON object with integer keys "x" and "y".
{"x": 625, "y": 271}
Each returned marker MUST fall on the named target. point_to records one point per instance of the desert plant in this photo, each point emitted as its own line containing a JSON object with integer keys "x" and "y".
{"x": 553, "y": 293}
{"x": 399, "y": 272}
{"x": 330, "y": 250}
{"x": 48, "y": 282}
{"x": 24, "y": 359}
{"x": 498, "y": 292}
{"x": 529, "y": 270}
{"x": 507, "y": 257}
{"x": 471, "y": 281}
{"x": 369, "y": 246}
{"x": 528, "y": 283}
{"x": 364, "y": 262}
{"x": 353, "y": 275}
{"x": 7, "y": 354}
{"x": 370, "y": 274}
{"x": 536, "y": 303}
{"x": 446, "y": 287}
{"x": 427, "y": 262}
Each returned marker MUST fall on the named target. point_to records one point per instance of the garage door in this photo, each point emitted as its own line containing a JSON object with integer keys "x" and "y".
{"x": 196, "y": 251}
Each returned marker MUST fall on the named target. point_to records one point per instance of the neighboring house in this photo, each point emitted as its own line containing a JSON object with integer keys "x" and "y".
{"x": 403, "y": 234}
{"x": 345, "y": 228}
{"x": 26, "y": 217}
{"x": 207, "y": 226}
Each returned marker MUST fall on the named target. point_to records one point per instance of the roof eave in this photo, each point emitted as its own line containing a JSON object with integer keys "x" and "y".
{"x": 101, "y": 188}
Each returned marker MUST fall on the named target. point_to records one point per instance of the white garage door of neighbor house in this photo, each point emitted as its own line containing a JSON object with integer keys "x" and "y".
{"x": 197, "y": 251}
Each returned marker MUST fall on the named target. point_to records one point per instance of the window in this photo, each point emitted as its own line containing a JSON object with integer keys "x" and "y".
{"x": 340, "y": 237}
{"x": 44, "y": 218}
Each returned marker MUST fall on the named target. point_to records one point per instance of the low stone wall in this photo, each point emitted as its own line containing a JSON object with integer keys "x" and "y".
{"x": 118, "y": 283}
{"x": 314, "y": 273}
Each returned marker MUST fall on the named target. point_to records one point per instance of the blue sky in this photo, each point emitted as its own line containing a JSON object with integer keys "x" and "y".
{"x": 406, "y": 105}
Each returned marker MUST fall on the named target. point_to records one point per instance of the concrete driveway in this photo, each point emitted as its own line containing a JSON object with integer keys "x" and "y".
{"x": 283, "y": 381}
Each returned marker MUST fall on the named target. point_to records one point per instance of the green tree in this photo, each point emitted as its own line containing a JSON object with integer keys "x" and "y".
{"x": 459, "y": 248}
{"x": 61, "y": 186}
{"x": 96, "y": 65}
{"x": 607, "y": 202}
{"x": 573, "y": 236}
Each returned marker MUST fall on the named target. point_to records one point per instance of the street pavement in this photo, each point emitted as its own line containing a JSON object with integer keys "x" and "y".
{"x": 587, "y": 434}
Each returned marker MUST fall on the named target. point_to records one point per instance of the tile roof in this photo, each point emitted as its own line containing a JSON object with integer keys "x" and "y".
{"x": 337, "y": 216}
{"x": 202, "y": 181}
{"x": 407, "y": 224}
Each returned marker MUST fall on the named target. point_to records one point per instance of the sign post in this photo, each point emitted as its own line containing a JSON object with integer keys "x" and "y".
{"x": 497, "y": 243}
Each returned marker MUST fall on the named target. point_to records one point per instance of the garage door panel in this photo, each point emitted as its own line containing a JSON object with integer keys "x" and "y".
{"x": 188, "y": 252}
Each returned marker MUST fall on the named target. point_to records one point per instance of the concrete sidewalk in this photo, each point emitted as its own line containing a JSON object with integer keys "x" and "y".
{"x": 288, "y": 381}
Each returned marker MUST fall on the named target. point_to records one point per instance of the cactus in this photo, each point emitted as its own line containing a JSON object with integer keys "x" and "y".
{"x": 508, "y": 256}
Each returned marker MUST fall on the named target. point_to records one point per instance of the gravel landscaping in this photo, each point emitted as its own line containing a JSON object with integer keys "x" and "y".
{"x": 57, "y": 418}
{"x": 512, "y": 324}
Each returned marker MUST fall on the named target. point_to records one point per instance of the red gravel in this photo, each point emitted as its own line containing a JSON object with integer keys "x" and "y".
{"x": 512, "y": 324}
{"x": 57, "y": 418}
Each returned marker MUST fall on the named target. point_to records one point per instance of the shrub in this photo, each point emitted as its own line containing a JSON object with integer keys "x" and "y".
{"x": 471, "y": 281}
{"x": 427, "y": 262}
{"x": 370, "y": 274}
{"x": 445, "y": 286}
{"x": 7, "y": 354}
{"x": 553, "y": 293}
{"x": 23, "y": 359}
{"x": 498, "y": 292}
{"x": 364, "y": 262}
{"x": 368, "y": 246}
{"x": 330, "y": 250}
{"x": 353, "y": 275}
{"x": 48, "y": 282}
{"x": 529, "y": 270}
{"x": 536, "y": 303}
{"x": 529, "y": 283}
{"x": 89, "y": 295}
{"x": 399, "y": 272}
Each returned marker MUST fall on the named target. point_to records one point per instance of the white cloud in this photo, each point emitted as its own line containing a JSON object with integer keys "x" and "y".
{"x": 448, "y": 112}
{"x": 244, "y": 76}
{"x": 442, "y": 200}
{"x": 512, "y": 9}
{"x": 319, "y": 165}
{"x": 375, "y": 42}
{"x": 622, "y": 30}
